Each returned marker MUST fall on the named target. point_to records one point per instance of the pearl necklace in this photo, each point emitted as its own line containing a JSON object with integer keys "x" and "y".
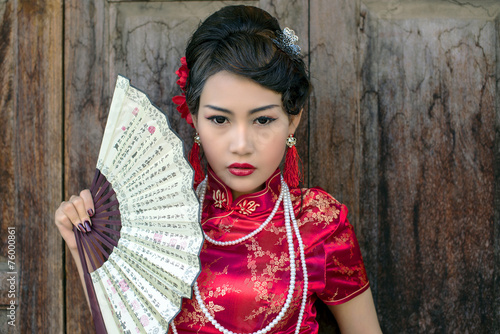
{"x": 289, "y": 217}
{"x": 203, "y": 186}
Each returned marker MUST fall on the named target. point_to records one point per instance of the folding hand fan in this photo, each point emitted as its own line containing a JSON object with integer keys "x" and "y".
{"x": 144, "y": 186}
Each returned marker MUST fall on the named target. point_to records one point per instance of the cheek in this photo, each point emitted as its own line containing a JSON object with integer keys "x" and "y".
{"x": 275, "y": 152}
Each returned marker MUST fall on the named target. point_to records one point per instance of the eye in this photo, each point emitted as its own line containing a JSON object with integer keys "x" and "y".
{"x": 263, "y": 120}
{"x": 218, "y": 119}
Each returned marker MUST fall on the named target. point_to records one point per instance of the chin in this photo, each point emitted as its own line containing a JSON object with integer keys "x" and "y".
{"x": 242, "y": 190}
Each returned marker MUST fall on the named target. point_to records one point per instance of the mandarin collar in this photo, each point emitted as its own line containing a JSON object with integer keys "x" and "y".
{"x": 219, "y": 199}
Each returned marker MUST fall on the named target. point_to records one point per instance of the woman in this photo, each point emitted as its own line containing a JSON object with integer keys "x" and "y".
{"x": 244, "y": 94}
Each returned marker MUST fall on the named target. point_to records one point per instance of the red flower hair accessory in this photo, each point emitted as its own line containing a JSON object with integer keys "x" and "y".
{"x": 180, "y": 100}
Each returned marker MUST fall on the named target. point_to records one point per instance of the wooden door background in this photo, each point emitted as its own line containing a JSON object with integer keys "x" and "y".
{"x": 403, "y": 127}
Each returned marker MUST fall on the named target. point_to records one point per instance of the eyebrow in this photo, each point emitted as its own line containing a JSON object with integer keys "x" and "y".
{"x": 253, "y": 111}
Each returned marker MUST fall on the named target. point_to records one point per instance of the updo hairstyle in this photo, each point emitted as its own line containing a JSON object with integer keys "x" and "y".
{"x": 238, "y": 39}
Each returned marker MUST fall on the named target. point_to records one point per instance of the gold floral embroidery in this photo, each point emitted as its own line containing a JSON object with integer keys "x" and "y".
{"x": 248, "y": 207}
{"x": 328, "y": 208}
{"x": 219, "y": 199}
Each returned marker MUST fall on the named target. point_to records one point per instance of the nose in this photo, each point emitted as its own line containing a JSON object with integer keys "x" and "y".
{"x": 241, "y": 141}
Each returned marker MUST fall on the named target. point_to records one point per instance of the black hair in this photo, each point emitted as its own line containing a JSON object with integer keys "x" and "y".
{"x": 239, "y": 39}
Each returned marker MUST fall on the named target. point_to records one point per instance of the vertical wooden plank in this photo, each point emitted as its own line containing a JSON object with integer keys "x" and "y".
{"x": 435, "y": 87}
{"x": 86, "y": 104}
{"x": 496, "y": 219}
{"x": 37, "y": 160}
{"x": 7, "y": 86}
{"x": 295, "y": 15}
{"x": 334, "y": 113}
{"x": 368, "y": 228}
{"x": 334, "y": 110}
{"x": 8, "y": 25}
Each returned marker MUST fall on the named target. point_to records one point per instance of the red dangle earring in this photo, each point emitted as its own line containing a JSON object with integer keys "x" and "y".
{"x": 291, "y": 173}
{"x": 195, "y": 160}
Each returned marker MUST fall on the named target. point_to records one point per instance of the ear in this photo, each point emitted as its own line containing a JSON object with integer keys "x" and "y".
{"x": 195, "y": 122}
{"x": 294, "y": 122}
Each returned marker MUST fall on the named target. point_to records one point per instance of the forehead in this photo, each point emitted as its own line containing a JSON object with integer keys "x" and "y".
{"x": 231, "y": 90}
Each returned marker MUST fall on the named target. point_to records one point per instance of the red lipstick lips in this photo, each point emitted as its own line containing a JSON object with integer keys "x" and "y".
{"x": 241, "y": 169}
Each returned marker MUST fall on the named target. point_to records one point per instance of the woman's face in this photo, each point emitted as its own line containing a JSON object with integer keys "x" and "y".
{"x": 243, "y": 130}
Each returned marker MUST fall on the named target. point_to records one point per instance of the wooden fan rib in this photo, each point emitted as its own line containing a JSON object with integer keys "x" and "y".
{"x": 97, "y": 186}
{"x": 105, "y": 207}
{"x": 89, "y": 250}
{"x": 106, "y": 221}
{"x": 104, "y": 198}
{"x": 97, "y": 173}
{"x": 107, "y": 214}
{"x": 107, "y": 241}
{"x": 102, "y": 228}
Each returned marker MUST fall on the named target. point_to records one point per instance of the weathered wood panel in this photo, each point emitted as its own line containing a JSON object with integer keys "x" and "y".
{"x": 429, "y": 87}
{"x": 31, "y": 158}
{"x": 334, "y": 123}
{"x": 334, "y": 110}
{"x": 7, "y": 157}
{"x": 496, "y": 219}
{"x": 86, "y": 103}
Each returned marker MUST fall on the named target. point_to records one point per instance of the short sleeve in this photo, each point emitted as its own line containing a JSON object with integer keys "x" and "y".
{"x": 337, "y": 270}
{"x": 345, "y": 273}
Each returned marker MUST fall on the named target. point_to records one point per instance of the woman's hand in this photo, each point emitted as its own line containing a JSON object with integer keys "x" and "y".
{"x": 75, "y": 212}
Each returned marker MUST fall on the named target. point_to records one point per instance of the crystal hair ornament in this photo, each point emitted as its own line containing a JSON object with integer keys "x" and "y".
{"x": 286, "y": 40}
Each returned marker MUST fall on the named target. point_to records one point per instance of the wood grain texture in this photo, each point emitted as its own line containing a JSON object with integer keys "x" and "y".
{"x": 86, "y": 104}
{"x": 368, "y": 228}
{"x": 434, "y": 91}
{"x": 8, "y": 26}
{"x": 334, "y": 123}
{"x": 334, "y": 111}
{"x": 35, "y": 165}
{"x": 496, "y": 205}
{"x": 7, "y": 117}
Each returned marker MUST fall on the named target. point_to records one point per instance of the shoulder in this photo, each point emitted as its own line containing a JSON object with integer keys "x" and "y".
{"x": 317, "y": 209}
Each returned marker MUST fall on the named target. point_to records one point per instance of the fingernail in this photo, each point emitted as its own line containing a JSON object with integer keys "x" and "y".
{"x": 87, "y": 226}
{"x": 90, "y": 212}
{"x": 81, "y": 228}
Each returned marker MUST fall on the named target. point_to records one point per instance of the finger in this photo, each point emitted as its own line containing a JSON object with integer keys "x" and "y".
{"x": 67, "y": 216}
{"x": 83, "y": 216}
{"x": 88, "y": 201}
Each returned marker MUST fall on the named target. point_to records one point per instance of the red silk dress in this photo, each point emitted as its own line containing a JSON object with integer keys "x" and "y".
{"x": 245, "y": 286}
